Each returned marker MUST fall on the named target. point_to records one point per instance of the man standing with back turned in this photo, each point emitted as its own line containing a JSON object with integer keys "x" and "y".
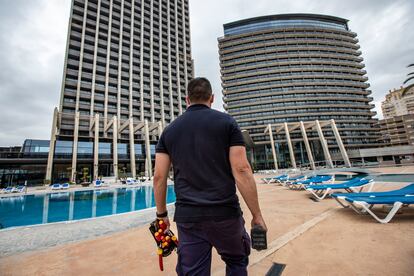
{"x": 208, "y": 155}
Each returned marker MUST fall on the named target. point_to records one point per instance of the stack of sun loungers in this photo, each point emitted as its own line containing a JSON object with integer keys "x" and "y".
{"x": 363, "y": 203}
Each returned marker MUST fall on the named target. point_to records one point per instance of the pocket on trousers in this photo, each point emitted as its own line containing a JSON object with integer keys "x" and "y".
{"x": 186, "y": 225}
{"x": 246, "y": 243}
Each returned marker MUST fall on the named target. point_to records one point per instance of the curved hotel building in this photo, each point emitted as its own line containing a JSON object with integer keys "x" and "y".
{"x": 291, "y": 68}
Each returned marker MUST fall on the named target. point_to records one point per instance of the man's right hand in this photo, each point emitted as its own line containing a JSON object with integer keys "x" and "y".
{"x": 258, "y": 220}
{"x": 167, "y": 222}
{"x": 245, "y": 182}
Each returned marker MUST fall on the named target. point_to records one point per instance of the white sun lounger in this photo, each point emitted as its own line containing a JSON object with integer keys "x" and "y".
{"x": 8, "y": 190}
{"x": 65, "y": 186}
{"x": 56, "y": 186}
{"x": 19, "y": 189}
{"x": 363, "y": 203}
{"x": 98, "y": 183}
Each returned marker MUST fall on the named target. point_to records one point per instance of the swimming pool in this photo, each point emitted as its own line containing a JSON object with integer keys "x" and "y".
{"x": 68, "y": 206}
{"x": 380, "y": 177}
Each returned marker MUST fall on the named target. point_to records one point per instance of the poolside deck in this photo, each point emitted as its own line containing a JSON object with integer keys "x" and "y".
{"x": 311, "y": 238}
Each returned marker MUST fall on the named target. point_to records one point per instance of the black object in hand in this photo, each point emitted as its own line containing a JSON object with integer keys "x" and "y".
{"x": 258, "y": 236}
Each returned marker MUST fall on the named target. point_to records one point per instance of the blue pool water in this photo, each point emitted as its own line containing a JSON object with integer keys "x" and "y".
{"x": 66, "y": 206}
{"x": 378, "y": 177}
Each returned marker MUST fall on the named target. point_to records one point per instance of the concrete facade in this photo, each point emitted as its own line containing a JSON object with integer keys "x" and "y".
{"x": 398, "y": 102}
{"x": 292, "y": 68}
{"x": 384, "y": 156}
{"x": 126, "y": 69}
{"x": 397, "y": 130}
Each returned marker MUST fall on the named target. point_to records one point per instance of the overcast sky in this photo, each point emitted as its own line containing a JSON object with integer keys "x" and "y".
{"x": 33, "y": 37}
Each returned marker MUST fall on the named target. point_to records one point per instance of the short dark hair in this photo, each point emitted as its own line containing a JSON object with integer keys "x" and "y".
{"x": 199, "y": 90}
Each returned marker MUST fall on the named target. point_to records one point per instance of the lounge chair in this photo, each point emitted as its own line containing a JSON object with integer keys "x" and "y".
{"x": 266, "y": 180}
{"x": 19, "y": 189}
{"x": 354, "y": 185}
{"x": 131, "y": 181}
{"x": 365, "y": 204}
{"x": 281, "y": 179}
{"x": 143, "y": 179}
{"x": 97, "y": 183}
{"x": 340, "y": 197}
{"x": 65, "y": 186}
{"x": 276, "y": 179}
{"x": 290, "y": 180}
{"x": 8, "y": 190}
{"x": 56, "y": 186}
{"x": 319, "y": 179}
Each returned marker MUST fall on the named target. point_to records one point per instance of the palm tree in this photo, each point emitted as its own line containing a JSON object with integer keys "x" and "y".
{"x": 410, "y": 77}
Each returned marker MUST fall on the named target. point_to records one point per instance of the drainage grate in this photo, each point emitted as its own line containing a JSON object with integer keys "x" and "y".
{"x": 276, "y": 269}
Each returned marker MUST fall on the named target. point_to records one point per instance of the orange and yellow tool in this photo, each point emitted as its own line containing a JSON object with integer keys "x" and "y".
{"x": 165, "y": 239}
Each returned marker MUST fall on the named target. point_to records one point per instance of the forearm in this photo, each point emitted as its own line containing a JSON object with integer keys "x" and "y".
{"x": 160, "y": 194}
{"x": 247, "y": 186}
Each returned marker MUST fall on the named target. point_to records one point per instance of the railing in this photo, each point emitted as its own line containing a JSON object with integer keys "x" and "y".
{"x": 22, "y": 155}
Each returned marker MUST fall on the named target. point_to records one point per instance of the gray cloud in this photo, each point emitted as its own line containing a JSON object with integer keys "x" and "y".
{"x": 33, "y": 36}
{"x": 384, "y": 29}
{"x": 32, "y": 45}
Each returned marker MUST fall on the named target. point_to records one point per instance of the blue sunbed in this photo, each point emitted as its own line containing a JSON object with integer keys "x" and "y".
{"x": 278, "y": 178}
{"x": 131, "y": 181}
{"x": 19, "y": 189}
{"x": 409, "y": 189}
{"x": 65, "y": 186}
{"x": 366, "y": 203}
{"x": 8, "y": 190}
{"x": 351, "y": 186}
{"x": 319, "y": 179}
{"x": 56, "y": 186}
{"x": 363, "y": 203}
{"x": 294, "y": 179}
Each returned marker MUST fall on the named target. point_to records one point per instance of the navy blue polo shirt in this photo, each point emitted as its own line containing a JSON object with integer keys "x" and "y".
{"x": 198, "y": 143}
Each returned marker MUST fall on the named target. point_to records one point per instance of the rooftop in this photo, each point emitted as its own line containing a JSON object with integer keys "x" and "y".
{"x": 284, "y": 20}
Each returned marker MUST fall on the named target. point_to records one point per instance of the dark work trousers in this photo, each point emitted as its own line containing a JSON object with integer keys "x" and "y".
{"x": 196, "y": 240}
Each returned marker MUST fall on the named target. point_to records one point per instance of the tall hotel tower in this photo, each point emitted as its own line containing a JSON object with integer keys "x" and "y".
{"x": 290, "y": 68}
{"x": 126, "y": 69}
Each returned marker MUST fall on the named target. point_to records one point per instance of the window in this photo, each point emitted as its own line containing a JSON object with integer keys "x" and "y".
{"x": 105, "y": 150}
{"x": 63, "y": 149}
{"x": 122, "y": 151}
{"x": 139, "y": 153}
{"x": 85, "y": 149}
